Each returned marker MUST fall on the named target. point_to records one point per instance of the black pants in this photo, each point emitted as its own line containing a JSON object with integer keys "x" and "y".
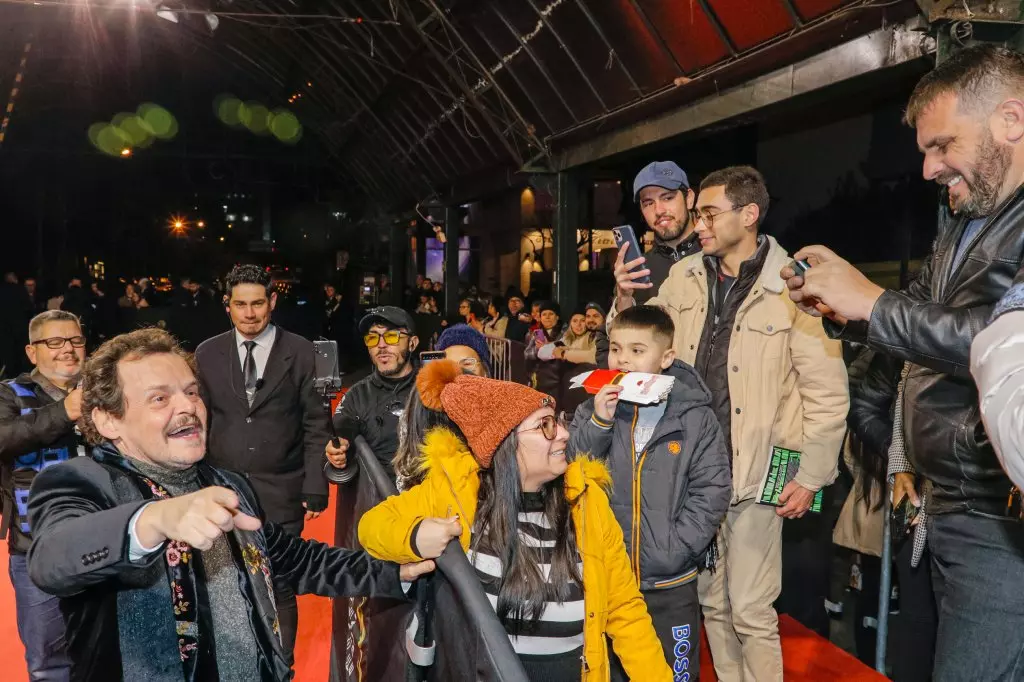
{"x": 287, "y": 605}
{"x": 676, "y": 616}
{"x": 911, "y": 651}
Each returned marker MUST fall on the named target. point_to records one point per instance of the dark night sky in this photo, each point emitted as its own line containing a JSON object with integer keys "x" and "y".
{"x": 88, "y": 204}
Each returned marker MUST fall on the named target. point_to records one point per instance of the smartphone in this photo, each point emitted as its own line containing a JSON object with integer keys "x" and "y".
{"x": 624, "y": 234}
{"x": 539, "y": 335}
{"x": 429, "y": 355}
{"x": 903, "y": 515}
{"x": 800, "y": 267}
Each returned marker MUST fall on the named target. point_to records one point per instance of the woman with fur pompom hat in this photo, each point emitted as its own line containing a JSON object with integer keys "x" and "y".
{"x": 538, "y": 530}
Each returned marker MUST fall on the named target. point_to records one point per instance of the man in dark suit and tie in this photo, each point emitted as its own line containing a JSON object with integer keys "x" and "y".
{"x": 266, "y": 420}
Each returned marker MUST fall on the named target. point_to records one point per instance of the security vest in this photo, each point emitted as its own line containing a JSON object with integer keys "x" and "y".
{"x": 16, "y": 477}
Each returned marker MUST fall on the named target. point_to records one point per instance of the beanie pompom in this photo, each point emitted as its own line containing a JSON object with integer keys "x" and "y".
{"x": 432, "y": 379}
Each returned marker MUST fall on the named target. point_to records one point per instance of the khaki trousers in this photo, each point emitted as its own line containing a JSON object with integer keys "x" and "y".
{"x": 737, "y": 599}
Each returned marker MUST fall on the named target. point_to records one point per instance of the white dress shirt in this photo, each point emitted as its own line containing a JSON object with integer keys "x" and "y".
{"x": 260, "y": 352}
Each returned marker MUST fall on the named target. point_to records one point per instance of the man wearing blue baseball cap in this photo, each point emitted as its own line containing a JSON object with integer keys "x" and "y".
{"x": 663, "y": 192}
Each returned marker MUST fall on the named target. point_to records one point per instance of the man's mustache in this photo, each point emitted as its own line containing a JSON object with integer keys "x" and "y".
{"x": 186, "y": 421}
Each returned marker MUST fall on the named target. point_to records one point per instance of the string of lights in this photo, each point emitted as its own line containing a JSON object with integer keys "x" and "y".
{"x": 14, "y": 91}
{"x": 137, "y": 7}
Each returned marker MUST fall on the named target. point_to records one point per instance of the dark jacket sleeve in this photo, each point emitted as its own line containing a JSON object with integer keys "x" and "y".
{"x": 874, "y": 378}
{"x": 918, "y": 290}
{"x": 601, "y": 342}
{"x": 586, "y": 437}
{"x": 910, "y": 326}
{"x": 315, "y": 428}
{"x": 313, "y": 567}
{"x": 80, "y": 533}
{"x": 24, "y": 433}
{"x": 709, "y": 492}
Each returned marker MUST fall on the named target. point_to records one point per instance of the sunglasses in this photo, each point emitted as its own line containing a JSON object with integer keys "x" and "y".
{"x": 549, "y": 426}
{"x": 57, "y": 342}
{"x": 391, "y": 338}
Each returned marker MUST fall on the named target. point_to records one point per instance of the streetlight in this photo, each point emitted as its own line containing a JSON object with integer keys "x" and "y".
{"x": 201, "y": 224}
{"x": 178, "y": 225}
{"x": 126, "y": 152}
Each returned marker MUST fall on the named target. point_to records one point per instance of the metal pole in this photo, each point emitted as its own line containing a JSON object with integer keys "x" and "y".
{"x": 566, "y": 222}
{"x": 884, "y": 587}
{"x": 451, "y": 260}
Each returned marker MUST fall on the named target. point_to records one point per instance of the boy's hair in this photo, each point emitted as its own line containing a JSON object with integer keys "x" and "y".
{"x": 649, "y": 317}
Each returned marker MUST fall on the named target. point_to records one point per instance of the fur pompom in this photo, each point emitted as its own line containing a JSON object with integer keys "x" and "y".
{"x": 432, "y": 379}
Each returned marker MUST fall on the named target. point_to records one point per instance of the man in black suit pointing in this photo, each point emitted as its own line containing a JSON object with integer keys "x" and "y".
{"x": 266, "y": 421}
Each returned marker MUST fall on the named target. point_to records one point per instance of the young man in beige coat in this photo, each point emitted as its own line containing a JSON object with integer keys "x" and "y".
{"x": 776, "y": 380}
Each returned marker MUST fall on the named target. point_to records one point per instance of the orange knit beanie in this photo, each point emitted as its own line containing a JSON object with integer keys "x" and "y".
{"x": 485, "y": 410}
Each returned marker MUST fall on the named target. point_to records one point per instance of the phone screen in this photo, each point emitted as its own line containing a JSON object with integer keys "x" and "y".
{"x": 429, "y": 355}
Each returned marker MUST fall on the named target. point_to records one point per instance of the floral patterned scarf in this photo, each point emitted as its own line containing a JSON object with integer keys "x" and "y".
{"x": 192, "y": 617}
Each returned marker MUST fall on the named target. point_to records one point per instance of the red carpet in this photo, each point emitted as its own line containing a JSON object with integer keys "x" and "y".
{"x": 808, "y": 657}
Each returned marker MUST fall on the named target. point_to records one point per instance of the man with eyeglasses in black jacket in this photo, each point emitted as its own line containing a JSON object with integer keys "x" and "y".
{"x": 38, "y": 412}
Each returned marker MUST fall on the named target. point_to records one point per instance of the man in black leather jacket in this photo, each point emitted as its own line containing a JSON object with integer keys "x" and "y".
{"x": 969, "y": 117}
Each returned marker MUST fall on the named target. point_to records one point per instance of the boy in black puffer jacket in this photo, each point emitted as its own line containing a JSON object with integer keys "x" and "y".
{"x": 672, "y": 480}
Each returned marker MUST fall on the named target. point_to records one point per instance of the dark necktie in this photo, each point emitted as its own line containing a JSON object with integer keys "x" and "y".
{"x": 249, "y": 371}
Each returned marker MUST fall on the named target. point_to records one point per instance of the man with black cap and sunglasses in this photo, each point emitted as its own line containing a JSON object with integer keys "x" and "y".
{"x": 663, "y": 192}
{"x": 373, "y": 407}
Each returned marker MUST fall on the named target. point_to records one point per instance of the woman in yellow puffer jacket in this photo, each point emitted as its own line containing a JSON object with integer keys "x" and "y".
{"x": 539, "y": 531}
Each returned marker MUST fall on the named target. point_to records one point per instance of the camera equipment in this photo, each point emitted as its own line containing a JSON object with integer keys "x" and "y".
{"x": 327, "y": 383}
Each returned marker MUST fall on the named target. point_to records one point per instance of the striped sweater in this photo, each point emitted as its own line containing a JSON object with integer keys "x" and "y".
{"x": 557, "y": 637}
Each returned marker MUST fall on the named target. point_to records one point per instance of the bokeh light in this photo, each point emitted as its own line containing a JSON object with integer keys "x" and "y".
{"x": 255, "y": 117}
{"x": 158, "y": 121}
{"x": 228, "y": 110}
{"x": 285, "y": 126}
{"x": 130, "y": 131}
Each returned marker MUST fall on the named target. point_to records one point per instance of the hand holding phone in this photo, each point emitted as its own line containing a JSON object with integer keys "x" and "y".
{"x": 800, "y": 267}
{"x": 627, "y": 274}
{"x": 902, "y": 519}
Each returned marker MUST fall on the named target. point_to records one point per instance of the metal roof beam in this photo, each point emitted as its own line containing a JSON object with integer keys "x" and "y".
{"x": 568, "y": 52}
{"x": 657, "y": 36}
{"x": 489, "y": 77}
{"x": 466, "y": 88}
{"x": 723, "y": 35}
{"x": 793, "y": 12}
{"x": 538, "y": 63}
{"x": 512, "y": 72}
{"x": 611, "y": 50}
{"x": 875, "y": 52}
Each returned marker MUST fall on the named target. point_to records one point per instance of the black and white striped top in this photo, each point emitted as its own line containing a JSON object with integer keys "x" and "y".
{"x": 559, "y": 631}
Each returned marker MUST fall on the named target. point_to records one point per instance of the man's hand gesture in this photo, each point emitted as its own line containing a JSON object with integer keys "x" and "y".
{"x": 198, "y": 519}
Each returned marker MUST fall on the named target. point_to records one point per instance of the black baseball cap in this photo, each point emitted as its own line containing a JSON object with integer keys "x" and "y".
{"x": 388, "y": 315}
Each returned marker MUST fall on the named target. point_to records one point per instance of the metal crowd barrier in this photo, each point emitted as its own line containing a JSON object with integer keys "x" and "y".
{"x": 508, "y": 360}
{"x": 369, "y": 638}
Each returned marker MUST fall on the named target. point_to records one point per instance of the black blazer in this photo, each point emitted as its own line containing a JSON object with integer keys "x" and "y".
{"x": 80, "y": 512}
{"x": 278, "y": 443}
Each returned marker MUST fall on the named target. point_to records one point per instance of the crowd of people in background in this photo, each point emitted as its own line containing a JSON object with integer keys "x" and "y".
{"x": 605, "y": 533}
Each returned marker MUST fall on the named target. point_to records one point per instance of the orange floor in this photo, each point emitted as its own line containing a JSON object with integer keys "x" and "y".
{"x": 808, "y": 657}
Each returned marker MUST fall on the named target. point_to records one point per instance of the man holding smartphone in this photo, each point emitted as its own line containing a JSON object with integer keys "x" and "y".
{"x": 663, "y": 192}
{"x": 373, "y": 407}
{"x": 775, "y": 380}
